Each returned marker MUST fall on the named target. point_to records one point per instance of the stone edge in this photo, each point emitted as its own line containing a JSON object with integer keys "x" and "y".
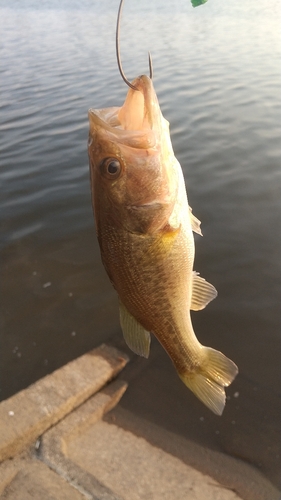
{"x": 15, "y": 438}
{"x": 53, "y": 446}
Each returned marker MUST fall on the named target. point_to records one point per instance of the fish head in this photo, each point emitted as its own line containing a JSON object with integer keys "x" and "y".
{"x": 134, "y": 173}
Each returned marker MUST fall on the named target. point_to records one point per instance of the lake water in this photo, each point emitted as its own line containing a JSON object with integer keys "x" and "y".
{"x": 218, "y": 80}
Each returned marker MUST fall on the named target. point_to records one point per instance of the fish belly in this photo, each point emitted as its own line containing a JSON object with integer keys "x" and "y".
{"x": 152, "y": 275}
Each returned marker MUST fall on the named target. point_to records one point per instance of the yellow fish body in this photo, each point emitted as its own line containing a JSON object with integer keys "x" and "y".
{"x": 144, "y": 226}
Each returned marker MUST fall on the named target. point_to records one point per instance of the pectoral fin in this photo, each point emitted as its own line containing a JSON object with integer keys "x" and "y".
{"x": 202, "y": 293}
{"x": 136, "y": 337}
{"x": 195, "y": 223}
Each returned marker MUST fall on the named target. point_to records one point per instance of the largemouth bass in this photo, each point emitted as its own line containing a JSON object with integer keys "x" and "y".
{"x": 144, "y": 227}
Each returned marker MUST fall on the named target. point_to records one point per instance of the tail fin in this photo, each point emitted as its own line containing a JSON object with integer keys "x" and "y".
{"x": 215, "y": 373}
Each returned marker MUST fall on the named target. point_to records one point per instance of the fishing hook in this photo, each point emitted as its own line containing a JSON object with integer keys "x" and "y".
{"x": 118, "y": 52}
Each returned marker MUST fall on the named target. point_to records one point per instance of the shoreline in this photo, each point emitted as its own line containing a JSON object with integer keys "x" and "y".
{"x": 71, "y": 431}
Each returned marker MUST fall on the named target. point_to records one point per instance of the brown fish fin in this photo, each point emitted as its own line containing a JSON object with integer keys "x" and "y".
{"x": 136, "y": 337}
{"x": 195, "y": 223}
{"x": 208, "y": 383}
{"x": 202, "y": 293}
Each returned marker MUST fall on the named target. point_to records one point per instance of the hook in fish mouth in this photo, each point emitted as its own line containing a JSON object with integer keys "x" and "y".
{"x": 118, "y": 52}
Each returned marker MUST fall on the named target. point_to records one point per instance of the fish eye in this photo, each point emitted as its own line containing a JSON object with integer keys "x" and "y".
{"x": 111, "y": 168}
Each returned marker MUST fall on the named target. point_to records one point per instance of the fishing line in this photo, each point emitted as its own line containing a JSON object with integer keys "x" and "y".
{"x": 118, "y": 52}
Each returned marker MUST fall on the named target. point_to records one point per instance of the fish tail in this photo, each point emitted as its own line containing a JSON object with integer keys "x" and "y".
{"x": 208, "y": 383}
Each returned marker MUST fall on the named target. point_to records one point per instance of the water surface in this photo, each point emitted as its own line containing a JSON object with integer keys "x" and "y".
{"x": 217, "y": 76}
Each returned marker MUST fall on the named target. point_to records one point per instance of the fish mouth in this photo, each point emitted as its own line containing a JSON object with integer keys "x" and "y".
{"x": 154, "y": 205}
{"x": 141, "y": 108}
{"x": 138, "y": 123}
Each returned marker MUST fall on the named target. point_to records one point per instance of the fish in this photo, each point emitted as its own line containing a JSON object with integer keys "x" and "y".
{"x": 145, "y": 228}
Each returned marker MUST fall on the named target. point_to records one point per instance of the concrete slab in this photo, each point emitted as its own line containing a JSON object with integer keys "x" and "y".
{"x": 230, "y": 472}
{"x": 55, "y": 442}
{"x": 36, "y": 481}
{"x": 136, "y": 470}
{"x": 100, "y": 453}
{"x": 26, "y": 415}
{"x": 107, "y": 462}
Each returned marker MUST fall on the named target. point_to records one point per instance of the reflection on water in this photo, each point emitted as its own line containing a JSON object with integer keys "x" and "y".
{"x": 218, "y": 82}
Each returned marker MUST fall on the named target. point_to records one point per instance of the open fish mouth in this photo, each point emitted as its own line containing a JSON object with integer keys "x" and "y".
{"x": 141, "y": 108}
{"x": 138, "y": 123}
{"x": 106, "y": 122}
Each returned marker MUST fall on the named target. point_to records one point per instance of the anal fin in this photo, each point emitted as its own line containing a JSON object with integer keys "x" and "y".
{"x": 136, "y": 337}
{"x": 202, "y": 293}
